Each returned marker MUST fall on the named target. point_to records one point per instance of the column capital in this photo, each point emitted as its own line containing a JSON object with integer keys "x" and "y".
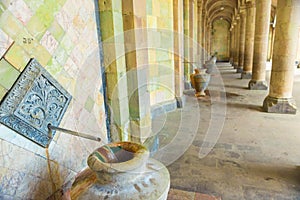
{"x": 250, "y": 4}
{"x": 242, "y": 10}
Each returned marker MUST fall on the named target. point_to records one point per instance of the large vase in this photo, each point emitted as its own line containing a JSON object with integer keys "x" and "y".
{"x": 199, "y": 81}
{"x": 121, "y": 171}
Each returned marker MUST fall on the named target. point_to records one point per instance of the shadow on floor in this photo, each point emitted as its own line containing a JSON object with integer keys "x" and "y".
{"x": 237, "y": 86}
{"x": 245, "y": 106}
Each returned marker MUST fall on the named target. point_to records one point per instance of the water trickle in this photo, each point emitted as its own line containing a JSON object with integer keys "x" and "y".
{"x": 50, "y": 170}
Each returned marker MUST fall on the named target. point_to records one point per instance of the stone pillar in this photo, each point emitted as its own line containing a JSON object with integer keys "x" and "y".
{"x": 191, "y": 33}
{"x": 115, "y": 68}
{"x": 249, "y": 45}
{"x": 262, "y": 24}
{"x": 209, "y": 28}
{"x": 207, "y": 41}
{"x": 136, "y": 43}
{"x": 195, "y": 32}
{"x": 199, "y": 36}
{"x": 236, "y": 45}
{"x": 232, "y": 30}
{"x": 280, "y": 98}
{"x": 187, "y": 53}
{"x": 203, "y": 41}
{"x": 178, "y": 51}
{"x": 242, "y": 40}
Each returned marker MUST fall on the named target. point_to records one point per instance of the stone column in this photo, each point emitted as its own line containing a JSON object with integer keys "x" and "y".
{"x": 199, "y": 36}
{"x": 136, "y": 43}
{"x": 262, "y": 24}
{"x": 115, "y": 68}
{"x": 242, "y": 40}
{"x": 249, "y": 45}
{"x": 187, "y": 53}
{"x": 236, "y": 45}
{"x": 203, "y": 41}
{"x": 280, "y": 98}
{"x": 191, "y": 33}
{"x": 232, "y": 43}
{"x": 178, "y": 51}
{"x": 209, "y": 40}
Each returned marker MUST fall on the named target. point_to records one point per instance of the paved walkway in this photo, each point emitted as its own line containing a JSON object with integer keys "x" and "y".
{"x": 257, "y": 155}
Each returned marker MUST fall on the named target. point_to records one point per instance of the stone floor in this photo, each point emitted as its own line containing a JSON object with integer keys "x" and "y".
{"x": 257, "y": 155}
{"x": 175, "y": 194}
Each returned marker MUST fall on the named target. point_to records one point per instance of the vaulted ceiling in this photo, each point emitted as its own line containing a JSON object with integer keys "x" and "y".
{"x": 226, "y": 9}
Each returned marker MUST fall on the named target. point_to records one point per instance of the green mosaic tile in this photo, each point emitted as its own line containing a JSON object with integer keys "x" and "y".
{"x": 14, "y": 24}
{"x": 41, "y": 55}
{"x": 164, "y": 11}
{"x": 46, "y": 12}
{"x": 17, "y": 56}
{"x": 61, "y": 2}
{"x": 2, "y": 8}
{"x": 36, "y": 27}
{"x": 89, "y": 104}
{"x": 149, "y": 7}
{"x": 65, "y": 79}
{"x": 33, "y": 4}
{"x": 67, "y": 44}
{"x": 106, "y": 20}
{"x": 61, "y": 55}
{"x": 8, "y": 74}
{"x": 56, "y": 30}
{"x": 5, "y": 3}
{"x": 162, "y": 55}
{"x": 118, "y": 25}
{"x": 53, "y": 67}
{"x": 3, "y": 91}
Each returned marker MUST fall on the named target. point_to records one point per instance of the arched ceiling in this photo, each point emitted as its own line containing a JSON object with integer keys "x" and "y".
{"x": 220, "y": 9}
{"x": 226, "y": 9}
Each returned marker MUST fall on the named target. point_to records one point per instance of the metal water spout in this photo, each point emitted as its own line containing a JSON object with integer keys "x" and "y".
{"x": 75, "y": 133}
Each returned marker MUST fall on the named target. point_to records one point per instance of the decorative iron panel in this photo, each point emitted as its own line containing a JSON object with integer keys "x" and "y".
{"x": 35, "y": 100}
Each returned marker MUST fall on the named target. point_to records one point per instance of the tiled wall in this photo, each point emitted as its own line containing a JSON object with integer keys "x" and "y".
{"x": 62, "y": 36}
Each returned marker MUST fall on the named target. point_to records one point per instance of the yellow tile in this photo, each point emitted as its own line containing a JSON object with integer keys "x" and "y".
{"x": 17, "y": 56}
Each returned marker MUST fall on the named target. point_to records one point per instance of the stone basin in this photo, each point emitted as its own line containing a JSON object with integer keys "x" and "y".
{"x": 121, "y": 171}
{"x": 118, "y": 157}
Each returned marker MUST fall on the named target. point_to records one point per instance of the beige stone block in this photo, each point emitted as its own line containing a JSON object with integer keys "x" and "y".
{"x": 105, "y": 5}
{"x": 127, "y": 7}
{"x": 156, "y": 8}
{"x": 140, "y": 7}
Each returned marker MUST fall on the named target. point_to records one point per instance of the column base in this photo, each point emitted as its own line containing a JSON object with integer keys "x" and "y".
{"x": 239, "y": 70}
{"x": 180, "y": 101}
{"x": 246, "y": 75}
{"x": 258, "y": 85}
{"x": 187, "y": 85}
{"x": 235, "y": 65}
{"x": 279, "y": 105}
{"x": 163, "y": 107}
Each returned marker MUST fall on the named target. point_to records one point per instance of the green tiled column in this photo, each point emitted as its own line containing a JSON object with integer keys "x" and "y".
{"x": 113, "y": 49}
{"x": 135, "y": 17}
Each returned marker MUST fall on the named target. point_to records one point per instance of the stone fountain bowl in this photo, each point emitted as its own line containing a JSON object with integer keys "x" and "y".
{"x": 121, "y": 170}
{"x": 118, "y": 157}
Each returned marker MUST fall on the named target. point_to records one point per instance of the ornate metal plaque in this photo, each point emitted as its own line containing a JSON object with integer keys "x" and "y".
{"x": 35, "y": 100}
